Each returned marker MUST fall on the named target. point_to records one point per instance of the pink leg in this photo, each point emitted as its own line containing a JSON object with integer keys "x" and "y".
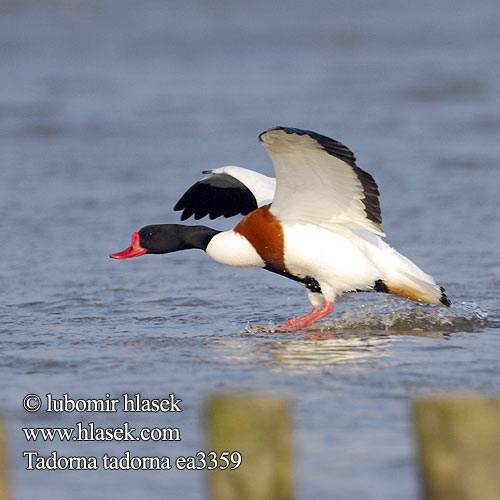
{"x": 317, "y": 313}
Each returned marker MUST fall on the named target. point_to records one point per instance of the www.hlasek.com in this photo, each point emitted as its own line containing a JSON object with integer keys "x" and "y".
{"x": 200, "y": 460}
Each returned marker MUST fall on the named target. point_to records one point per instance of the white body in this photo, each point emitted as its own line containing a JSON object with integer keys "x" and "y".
{"x": 340, "y": 259}
{"x": 339, "y": 262}
{"x": 343, "y": 260}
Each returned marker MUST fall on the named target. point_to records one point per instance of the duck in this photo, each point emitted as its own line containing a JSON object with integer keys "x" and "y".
{"x": 318, "y": 223}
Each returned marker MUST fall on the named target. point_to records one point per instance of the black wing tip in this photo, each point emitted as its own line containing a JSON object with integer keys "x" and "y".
{"x": 444, "y": 299}
{"x": 220, "y": 195}
{"x": 181, "y": 206}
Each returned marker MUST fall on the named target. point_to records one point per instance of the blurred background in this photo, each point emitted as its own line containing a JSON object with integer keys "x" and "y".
{"x": 110, "y": 109}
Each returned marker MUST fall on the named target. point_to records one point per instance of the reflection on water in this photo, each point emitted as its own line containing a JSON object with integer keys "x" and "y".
{"x": 309, "y": 350}
{"x": 319, "y": 348}
{"x": 302, "y": 351}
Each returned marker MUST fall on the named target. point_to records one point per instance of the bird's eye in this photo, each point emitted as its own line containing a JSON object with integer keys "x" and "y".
{"x": 150, "y": 234}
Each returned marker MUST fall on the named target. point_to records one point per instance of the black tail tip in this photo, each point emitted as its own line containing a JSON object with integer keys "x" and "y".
{"x": 444, "y": 299}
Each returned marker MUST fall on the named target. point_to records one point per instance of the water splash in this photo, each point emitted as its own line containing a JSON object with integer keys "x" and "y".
{"x": 396, "y": 316}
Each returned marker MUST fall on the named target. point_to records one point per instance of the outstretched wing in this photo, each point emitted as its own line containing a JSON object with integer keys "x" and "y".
{"x": 318, "y": 181}
{"x": 227, "y": 191}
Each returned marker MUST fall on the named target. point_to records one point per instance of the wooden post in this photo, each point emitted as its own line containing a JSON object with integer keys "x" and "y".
{"x": 459, "y": 441}
{"x": 4, "y": 491}
{"x": 259, "y": 428}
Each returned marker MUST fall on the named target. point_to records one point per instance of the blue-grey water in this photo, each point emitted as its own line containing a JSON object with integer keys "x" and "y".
{"x": 110, "y": 110}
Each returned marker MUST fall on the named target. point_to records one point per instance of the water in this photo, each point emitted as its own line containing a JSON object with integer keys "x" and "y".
{"x": 111, "y": 109}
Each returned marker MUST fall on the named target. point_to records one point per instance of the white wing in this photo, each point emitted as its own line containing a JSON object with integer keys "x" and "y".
{"x": 226, "y": 191}
{"x": 318, "y": 181}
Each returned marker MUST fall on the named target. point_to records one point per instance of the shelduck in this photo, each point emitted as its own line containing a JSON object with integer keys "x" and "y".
{"x": 318, "y": 223}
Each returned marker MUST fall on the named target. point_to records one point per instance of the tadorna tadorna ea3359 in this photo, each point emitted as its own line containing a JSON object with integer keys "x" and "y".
{"x": 318, "y": 223}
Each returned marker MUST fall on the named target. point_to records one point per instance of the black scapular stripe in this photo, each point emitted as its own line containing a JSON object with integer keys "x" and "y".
{"x": 310, "y": 283}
